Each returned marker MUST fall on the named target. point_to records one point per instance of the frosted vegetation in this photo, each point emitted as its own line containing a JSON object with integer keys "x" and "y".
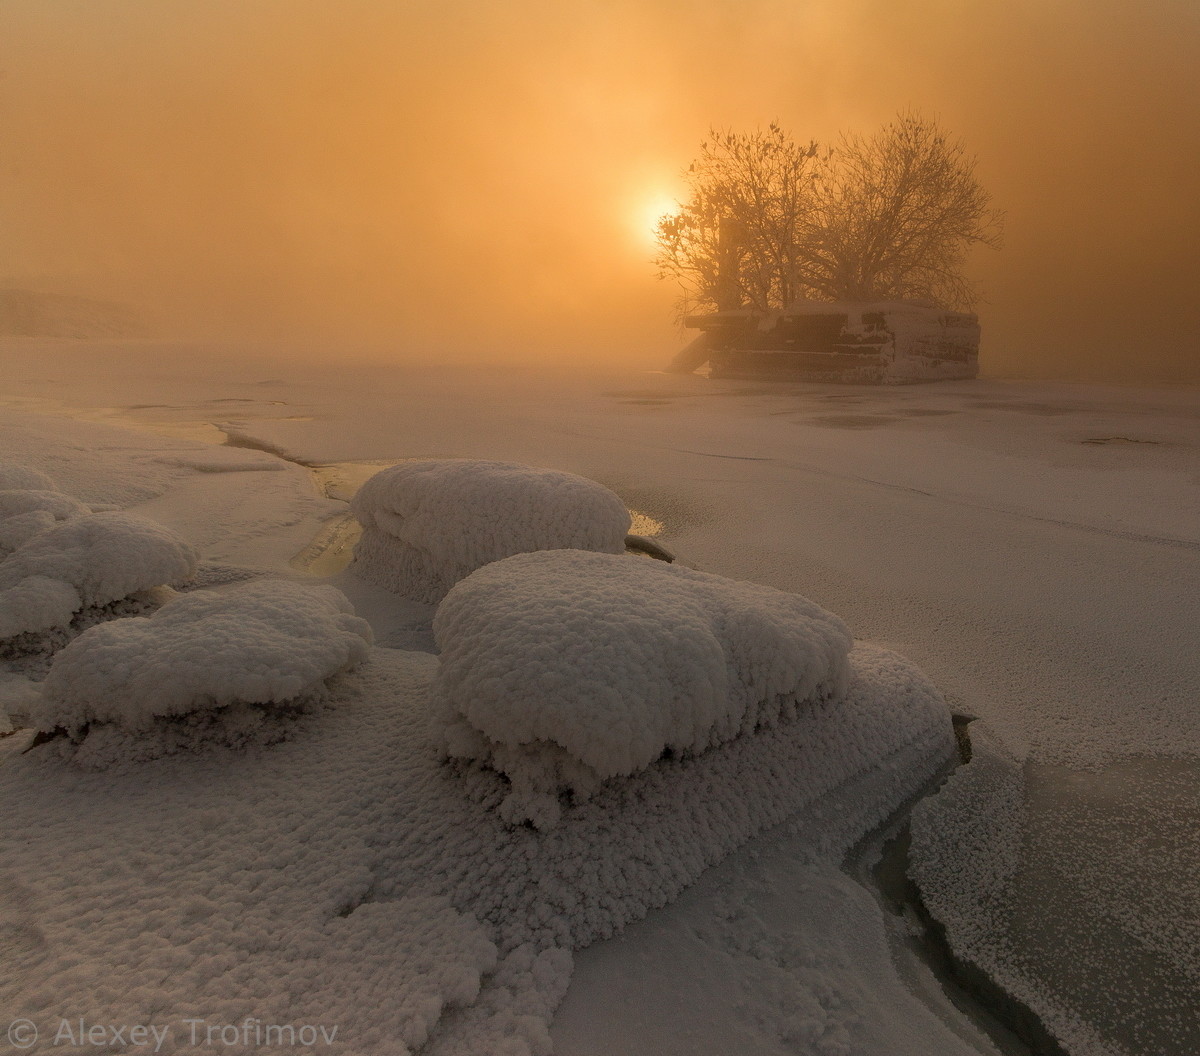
{"x": 768, "y": 221}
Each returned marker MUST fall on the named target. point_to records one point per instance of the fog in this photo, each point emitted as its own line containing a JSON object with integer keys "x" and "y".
{"x": 463, "y": 177}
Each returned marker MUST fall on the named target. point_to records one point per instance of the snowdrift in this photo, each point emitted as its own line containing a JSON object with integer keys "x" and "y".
{"x": 263, "y": 642}
{"x": 428, "y": 524}
{"x": 562, "y": 668}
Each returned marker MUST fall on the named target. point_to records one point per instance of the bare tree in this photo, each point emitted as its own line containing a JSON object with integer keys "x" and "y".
{"x": 735, "y": 240}
{"x": 896, "y": 215}
{"x": 769, "y": 221}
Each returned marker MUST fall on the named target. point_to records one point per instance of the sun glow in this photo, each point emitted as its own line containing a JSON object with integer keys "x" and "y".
{"x": 651, "y": 211}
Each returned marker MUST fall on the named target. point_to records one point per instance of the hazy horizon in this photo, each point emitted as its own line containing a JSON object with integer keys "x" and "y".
{"x": 465, "y": 176}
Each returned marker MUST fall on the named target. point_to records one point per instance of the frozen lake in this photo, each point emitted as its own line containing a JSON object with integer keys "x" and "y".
{"x": 1034, "y": 547}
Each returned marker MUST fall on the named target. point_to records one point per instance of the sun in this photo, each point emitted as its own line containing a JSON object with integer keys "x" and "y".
{"x": 649, "y": 212}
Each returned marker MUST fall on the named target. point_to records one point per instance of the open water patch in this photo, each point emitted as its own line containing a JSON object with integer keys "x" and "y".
{"x": 880, "y": 862}
{"x": 1118, "y": 440}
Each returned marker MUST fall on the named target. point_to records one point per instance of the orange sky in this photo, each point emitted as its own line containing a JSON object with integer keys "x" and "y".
{"x": 468, "y": 174}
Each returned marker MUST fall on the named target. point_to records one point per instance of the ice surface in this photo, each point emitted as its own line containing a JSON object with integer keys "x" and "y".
{"x": 87, "y": 561}
{"x": 966, "y": 842}
{"x": 263, "y": 642}
{"x": 429, "y": 523}
{"x": 344, "y": 875}
{"x": 258, "y": 510}
{"x": 770, "y": 953}
{"x": 562, "y": 668}
{"x": 1036, "y": 871}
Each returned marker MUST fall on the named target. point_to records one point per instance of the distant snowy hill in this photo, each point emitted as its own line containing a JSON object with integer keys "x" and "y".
{"x": 24, "y": 313}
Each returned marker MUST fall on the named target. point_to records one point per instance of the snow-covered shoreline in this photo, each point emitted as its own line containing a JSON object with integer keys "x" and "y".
{"x": 276, "y": 883}
{"x": 1040, "y": 579}
{"x": 460, "y": 909}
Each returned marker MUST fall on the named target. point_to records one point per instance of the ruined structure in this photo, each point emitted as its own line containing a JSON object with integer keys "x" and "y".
{"x": 884, "y": 342}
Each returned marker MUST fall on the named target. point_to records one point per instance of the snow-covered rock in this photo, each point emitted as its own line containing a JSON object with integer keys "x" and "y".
{"x": 17, "y": 530}
{"x": 13, "y": 476}
{"x": 564, "y": 668}
{"x": 16, "y": 501}
{"x": 29, "y": 504}
{"x": 86, "y": 561}
{"x": 263, "y": 642}
{"x": 427, "y": 524}
{"x": 25, "y": 513}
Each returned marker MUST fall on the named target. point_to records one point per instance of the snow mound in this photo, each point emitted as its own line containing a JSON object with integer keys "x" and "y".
{"x": 16, "y": 501}
{"x": 15, "y": 477}
{"x": 17, "y": 530}
{"x": 564, "y": 668}
{"x": 86, "y": 561}
{"x": 263, "y": 642}
{"x": 430, "y": 523}
{"x": 25, "y": 513}
{"x": 30, "y": 503}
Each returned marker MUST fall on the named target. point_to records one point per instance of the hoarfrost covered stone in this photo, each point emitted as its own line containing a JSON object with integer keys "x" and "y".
{"x": 16, "y": 531}
{"x": 25, "y": 513}
{"x": 37, "y": 603}
{"x": 86, "y": 561}
{"x": 263, "y": 642}
{"x": 14, "y": 501}
{"x": 13, "y": 476}
{"x": 429, "y": 523}
{"x": 29, "y": 504}
{"x": 564, "y": 668}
